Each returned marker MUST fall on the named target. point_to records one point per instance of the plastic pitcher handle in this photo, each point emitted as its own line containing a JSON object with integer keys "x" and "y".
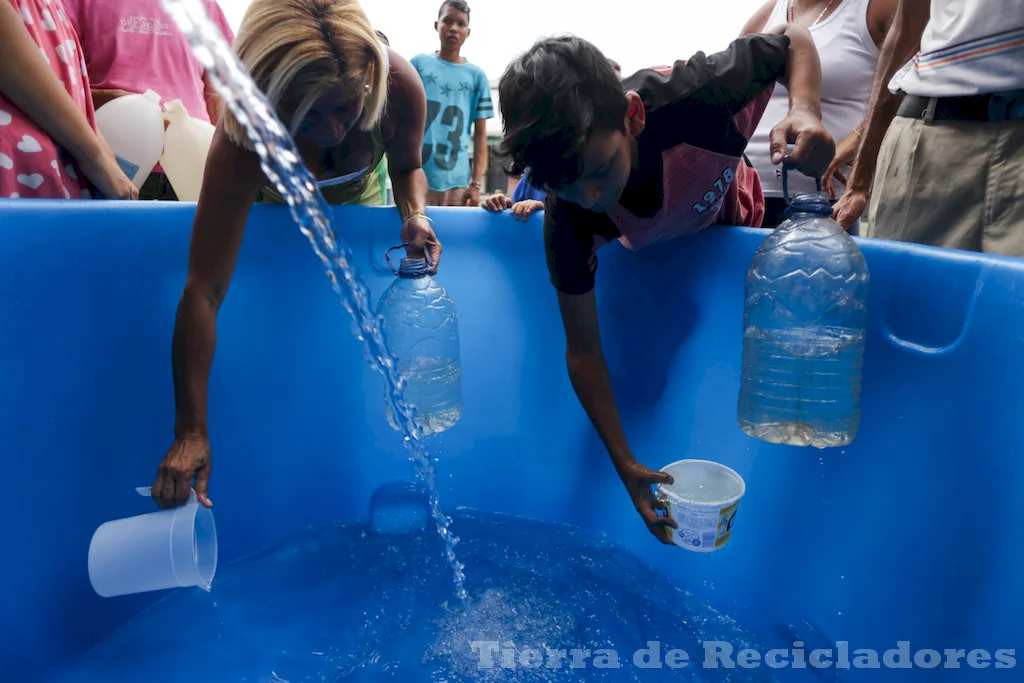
{"x": 147, "y": 492}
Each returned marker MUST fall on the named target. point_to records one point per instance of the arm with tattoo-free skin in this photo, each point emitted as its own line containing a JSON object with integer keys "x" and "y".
{"x": 813, "y": 147}
{"x": 231, "y": 184}
{"x": 404, "y": 149}
{"x": 881, "y": 14}
{"x": 479, "y": 162}
{"x": 902, "y": 43}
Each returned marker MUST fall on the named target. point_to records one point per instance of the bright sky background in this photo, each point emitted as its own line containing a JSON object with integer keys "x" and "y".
{"x": 635, "y": 33}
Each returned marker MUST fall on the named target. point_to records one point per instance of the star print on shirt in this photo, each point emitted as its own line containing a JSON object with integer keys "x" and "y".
{"x": 446, "y": 90}
{"x": 429, "y": 79}
{"x": 465, "y": 87}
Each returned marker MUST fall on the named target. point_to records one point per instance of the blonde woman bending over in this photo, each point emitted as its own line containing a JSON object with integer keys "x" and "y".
{"x": 347, "y": 98}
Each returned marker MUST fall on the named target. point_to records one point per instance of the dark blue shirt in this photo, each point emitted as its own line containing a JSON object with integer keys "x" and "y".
{"x": 524, "y": 190}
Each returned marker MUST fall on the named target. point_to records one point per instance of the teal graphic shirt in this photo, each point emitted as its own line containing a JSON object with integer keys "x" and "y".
{"x": 457, "y": 95}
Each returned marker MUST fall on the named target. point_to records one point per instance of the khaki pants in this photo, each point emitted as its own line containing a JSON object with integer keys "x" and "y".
{"x": 951, "y": 184}
{"x": 453, "y": 197}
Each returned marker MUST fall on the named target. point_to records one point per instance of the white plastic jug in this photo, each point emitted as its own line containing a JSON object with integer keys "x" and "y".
{"x": 186, "y": 144}
{"x": 133, "y": 126}
{"x": 163, "y": 549}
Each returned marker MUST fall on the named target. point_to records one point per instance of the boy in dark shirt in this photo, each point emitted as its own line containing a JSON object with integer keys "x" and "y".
{"x": 642, "y": 160}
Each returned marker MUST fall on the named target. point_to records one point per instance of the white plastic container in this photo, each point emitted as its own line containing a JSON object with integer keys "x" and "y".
{"x": 186, "y": 144}
{"x": 133, "y": 126}
{"x": 164, "y": 549}
{"x": 703, "y": 501}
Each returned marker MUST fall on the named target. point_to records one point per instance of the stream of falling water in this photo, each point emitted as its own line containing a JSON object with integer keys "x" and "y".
{"x": 283, "y": 166}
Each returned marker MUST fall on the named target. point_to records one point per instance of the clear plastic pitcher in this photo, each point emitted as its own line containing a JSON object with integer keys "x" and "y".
{"x": 164, "y": 549}
{"x": 421, "y": 328}
{"x": 804, "y": 325}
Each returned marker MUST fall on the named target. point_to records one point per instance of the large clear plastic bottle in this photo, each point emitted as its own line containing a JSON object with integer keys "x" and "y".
{"x": 804, "y": 325}
{"x": 421, "y": 327}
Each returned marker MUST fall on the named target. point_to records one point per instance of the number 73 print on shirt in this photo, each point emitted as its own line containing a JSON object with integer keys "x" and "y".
{"x": 457, "y": 95}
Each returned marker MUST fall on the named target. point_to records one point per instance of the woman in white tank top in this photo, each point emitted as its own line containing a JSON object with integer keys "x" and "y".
{"x": 848, "y": 34}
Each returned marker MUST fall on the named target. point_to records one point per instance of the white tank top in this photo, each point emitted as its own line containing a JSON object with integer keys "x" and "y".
{"x": 969, "y": 47}
{"x": 848, "y": 59}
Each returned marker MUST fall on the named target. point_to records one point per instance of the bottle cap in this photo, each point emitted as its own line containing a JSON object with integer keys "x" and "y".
{"x": 413, "y": 267}
{"x": 174, "y": 105}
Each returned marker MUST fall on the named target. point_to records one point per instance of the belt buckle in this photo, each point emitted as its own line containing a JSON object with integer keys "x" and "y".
{"x": 1006, "y": 106}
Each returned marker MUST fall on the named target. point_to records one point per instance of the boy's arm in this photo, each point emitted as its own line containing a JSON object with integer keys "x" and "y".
{"x": 483, "y": 109}
{"x": 479, "y": 161}
{"x": 588, "y": 373}
{"x": 737, "y": 82}
{"x": 568, "y": 241}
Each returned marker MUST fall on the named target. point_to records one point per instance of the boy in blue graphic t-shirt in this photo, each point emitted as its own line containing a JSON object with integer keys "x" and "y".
{"x": 458, "y": 98}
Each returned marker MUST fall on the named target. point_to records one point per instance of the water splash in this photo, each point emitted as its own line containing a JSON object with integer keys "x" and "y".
{"x": 283, "y": 167}
{"x": 340, "y": 603}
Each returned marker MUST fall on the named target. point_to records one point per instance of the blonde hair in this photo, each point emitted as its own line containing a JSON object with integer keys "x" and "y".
{"x": 297, "y": 51}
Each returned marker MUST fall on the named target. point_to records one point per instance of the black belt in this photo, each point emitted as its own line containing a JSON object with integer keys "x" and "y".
{"x": 1007, "y": 106}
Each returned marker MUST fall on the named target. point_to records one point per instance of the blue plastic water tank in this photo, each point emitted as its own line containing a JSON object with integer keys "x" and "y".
{"x": 910, "y": 533}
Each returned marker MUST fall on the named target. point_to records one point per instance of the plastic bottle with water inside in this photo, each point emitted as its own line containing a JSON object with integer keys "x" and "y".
{"x": 186, "y": 145}
{"x": 804, "y": 326}
{"x": 133, "y": 126}
{"x": 421, "y": 327}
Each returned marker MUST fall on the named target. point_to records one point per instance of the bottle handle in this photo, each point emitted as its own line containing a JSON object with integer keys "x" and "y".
{"x": 785, "y": 183}
{"x": 403, "y": 245}
{"x": 818, "y": 208}
{"x": 430, "y": 263}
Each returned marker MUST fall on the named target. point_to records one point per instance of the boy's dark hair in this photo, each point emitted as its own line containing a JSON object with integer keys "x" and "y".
{"x": 380, "y": 34}
{"x": 553, "y": 98}
{"x": 460, "y": 5}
